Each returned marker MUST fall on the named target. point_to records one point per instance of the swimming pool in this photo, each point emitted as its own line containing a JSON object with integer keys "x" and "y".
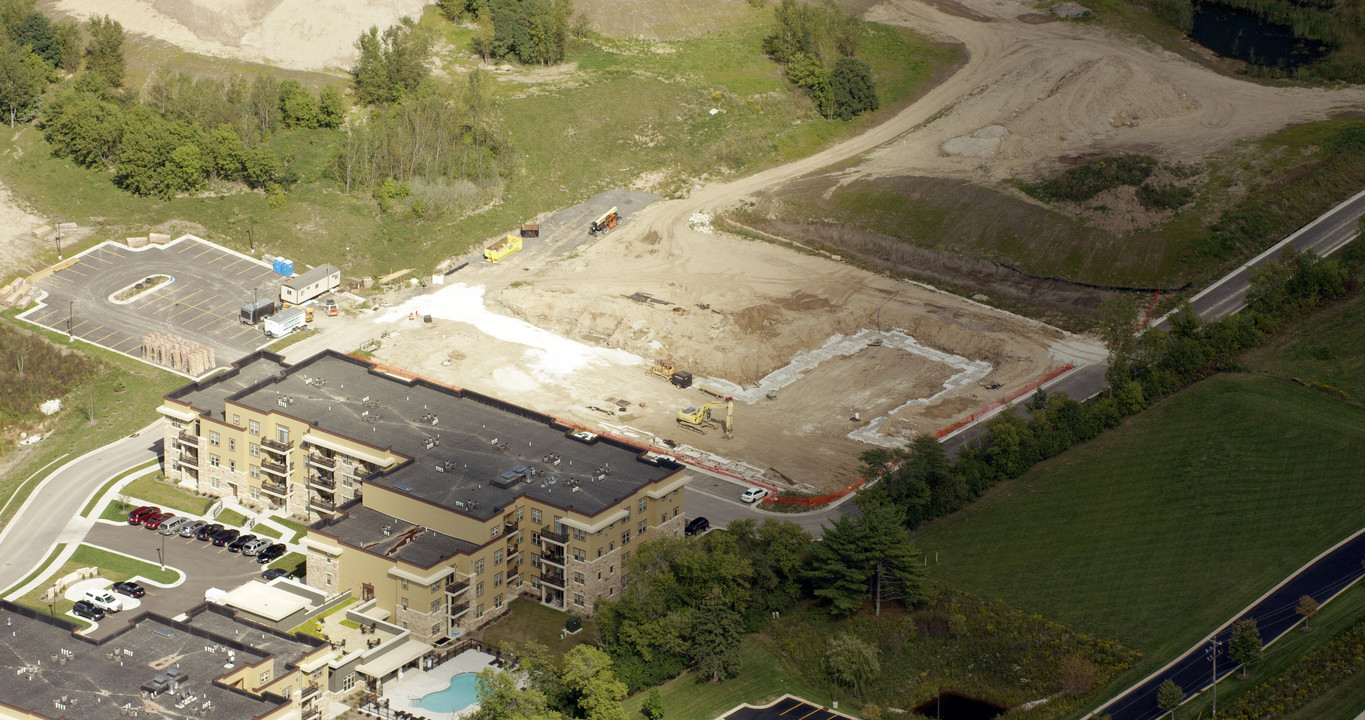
{"x": 458, "y": 696}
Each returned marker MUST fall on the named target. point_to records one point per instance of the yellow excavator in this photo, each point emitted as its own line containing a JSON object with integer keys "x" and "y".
{"x": 696, "y": 419}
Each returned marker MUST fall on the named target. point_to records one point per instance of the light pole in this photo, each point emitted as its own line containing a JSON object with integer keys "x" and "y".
{"x": 70, "y": 310}
{"x": 161, "y": 554}
{"x": 59, "y": 239}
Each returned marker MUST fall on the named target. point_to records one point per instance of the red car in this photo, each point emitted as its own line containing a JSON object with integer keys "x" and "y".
{"x": 152, "y": 522}
{"x": 137, "y": 516}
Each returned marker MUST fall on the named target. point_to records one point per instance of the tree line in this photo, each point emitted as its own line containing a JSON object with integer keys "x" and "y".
{"x": 534, "y": 32}
{"x": 923, "y": 483}
{"x": 818, "y": 45}
{"x": 35, "y": 52}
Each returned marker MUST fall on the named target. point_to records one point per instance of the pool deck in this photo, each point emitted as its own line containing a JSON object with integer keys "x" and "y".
{"x": 404, "y": 692}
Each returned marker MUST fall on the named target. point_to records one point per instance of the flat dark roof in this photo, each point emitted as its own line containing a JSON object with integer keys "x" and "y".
{"x": 470, "y": 453}
{"x": 364, "y": 528}
{"x": 287, "y": 649}
{"x": 48, "y": 671}
{"x": 210, "y": 394}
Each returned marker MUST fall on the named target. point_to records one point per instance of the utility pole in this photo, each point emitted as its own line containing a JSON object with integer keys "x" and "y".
{"x": 1212, "y": 651}
{"x": 59, "y": 239}
{"x": 251, "y": 233}
{"x": 70, "y": 310}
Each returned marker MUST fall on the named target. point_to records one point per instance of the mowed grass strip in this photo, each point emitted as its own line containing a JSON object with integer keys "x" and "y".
{"x": 1159, "y": 531}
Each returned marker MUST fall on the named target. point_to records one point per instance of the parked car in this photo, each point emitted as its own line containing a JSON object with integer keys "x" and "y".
{"x": 225, "y": 537}
{"x": 255, "y": 546}
{"x": 129, "y": 588}
{"x": 273, "y": 573}
{"x": 240, "y": 542}
{"x": 153, "y": 522}
{"x": 208, "y": 531}
{"x": 88, "y": 611}
{"x": 172, "y": 526}
{"x": 754, "y": 494}
{"x": 271, "y": 554}
{"x": 104, "y": 600}
{"x": 137, "y": 516}
{"x": 697, "y": 526}
{"x": 191, "y": 528}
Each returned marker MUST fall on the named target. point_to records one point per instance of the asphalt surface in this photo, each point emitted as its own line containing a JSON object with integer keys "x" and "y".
{"x": 1274, "y": 615}
{"x": 787, "y": 708}
{"x": 29, "y": 537}
{"x": 201, "y": 304}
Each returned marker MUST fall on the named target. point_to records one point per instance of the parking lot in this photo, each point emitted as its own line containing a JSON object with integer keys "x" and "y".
{"x": 204, "y": 565}
{"x": 786, "y": 708}
{"x": 210, "y": 284}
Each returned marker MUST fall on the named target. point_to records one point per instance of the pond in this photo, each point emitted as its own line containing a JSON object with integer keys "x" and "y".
{"x": 952, "y": 706}
{"x": 1235, "y": 33}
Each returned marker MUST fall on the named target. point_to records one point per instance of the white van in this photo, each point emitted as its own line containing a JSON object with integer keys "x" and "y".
{"x": 172, "y": 526}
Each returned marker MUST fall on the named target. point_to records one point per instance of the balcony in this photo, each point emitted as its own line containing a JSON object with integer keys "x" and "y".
{"x": 455, "y": 587}
{"x": 185, "y": 438}
{"x": 553, "y": 579}
{"x": 276, "y": 445}
{"x": 314, "y": 714}
{"x": 553, "y": 558}
{"x": 361, "y": 472}
{"x": 323, "y": 461}
{"x": 320, "y": 504}
{"x": 274, "y": 488}
{"x": 322, "y": 482}
{"x": 459, "y": 609}
{"x": 513, "y": 579}
{"x": 188, "y": 458}
{"x": 274, "y": 467}
{"x": 554, "y": 537}
{"x": 310, "y": 691}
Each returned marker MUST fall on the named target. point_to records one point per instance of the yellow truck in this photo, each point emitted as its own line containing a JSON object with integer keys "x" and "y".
{"x": 502, "y": 248}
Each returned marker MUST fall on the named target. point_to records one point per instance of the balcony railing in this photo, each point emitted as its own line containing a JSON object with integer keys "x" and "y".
{"x": 459, "y": 609}
{"x": 323, "y": 461}
{"x": 554, "y": 537}
{"x": 273, "y": 488}
{"x": 189, "y": 459}
{"x": 274, "y": 467}
{"x": 314, "y": 714}
{"x": 513, "y": 579}
{"x": 552, "y": 579}
{"x": 457, "y": 586}
{"x": 310, "y": 691}
{"x": 276, "y": 445}
{"x": 188, "y": 439}
{"x": 321, "y": 504}
{"x": 319, "y": 481}
{"x": 553, "y": 558}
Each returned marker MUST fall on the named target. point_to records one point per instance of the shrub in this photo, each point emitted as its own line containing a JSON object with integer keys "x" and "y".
{"x": 1085, "y": 181}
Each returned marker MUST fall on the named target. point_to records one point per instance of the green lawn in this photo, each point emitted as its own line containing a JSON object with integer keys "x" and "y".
{"x": 295, "y": 563}
{"x": 527, "y": 620}
{"x": 1158, "y": 531}
{"x": 105, "y": 488}
{"x": 113, "y": 567}
{"x": 230, "y": 518}
{"x": 1326, "y": 349}
{"x": 299, "y": 528}
{"x": 311, "y": 627}
{"x": 167, "y": 495}
{"x": 265, "y": 531}
{"x": 764, "y": 675}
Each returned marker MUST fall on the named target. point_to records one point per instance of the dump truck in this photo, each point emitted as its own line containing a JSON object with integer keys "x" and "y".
{"x": 286, "y": 321}
{"x": 502, "y": 248}
{"x": 255, "y": 312}
{"x": 604, "y": 222}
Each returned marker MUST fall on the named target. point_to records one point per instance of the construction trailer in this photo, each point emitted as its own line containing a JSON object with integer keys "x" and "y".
{"x": 286, "y": 321}
{"x": 604, "y": 222}
{"x": 253, "y": 313}
{"x": 302, "y": 288}
{"x": 502, "y": 248}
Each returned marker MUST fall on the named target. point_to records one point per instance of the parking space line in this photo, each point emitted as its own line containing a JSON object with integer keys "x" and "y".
{"x": 202, "y": 252}
{"x": 71, "y": 269}
{"x": 106, "y": 337}
{"x": 812, "y": 712}
{"x": 784, "y": 712}
{"x": 77, "y": 325}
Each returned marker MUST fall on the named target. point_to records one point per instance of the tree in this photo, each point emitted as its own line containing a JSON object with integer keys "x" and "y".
{"x": 391, "y": 64}
{"x": 653, "y": 707}
{"x": 482, "y": 42}
{"x": 851, "y": 661}
{"x": 501, "y": 699}
{"x": 715, "y": 638}
{"x": 298, "y": 107}
{"x": 22, "y": 79}
{"x": 854, "y": 90}
{"x": 183, "y": 172}
{"x": 85, "y": 128}
{"x": 367, "y": 76}
{"x": 104, "y": 54}
{"x": 590, "y": 688}
{"x": 870, "y": 554}
{"x": 806, "y": 72}
{"x": 36, "y": 33}
{"x": 1169, "y": 696}
{"x": 1307, "y": 607}
{"x": 224, "y": 153}
{"x": 1245, "y": 645}
{"x": 260, "y": 167}
{"x": 331, "y": 107}
{"x": 67, "y": 36}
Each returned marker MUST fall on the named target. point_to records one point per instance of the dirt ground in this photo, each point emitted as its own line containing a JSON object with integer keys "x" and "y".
{"x": 292, "y": 34}
{"x": 17, "y": 244}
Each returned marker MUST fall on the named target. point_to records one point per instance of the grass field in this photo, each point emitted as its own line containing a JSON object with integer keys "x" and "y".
{"x": 527, "y": 620}
{"x": 299, "y": 528}
{"x": 1157, "y": 532}
{"x": 295, "y": 563}
{"x": 166, "y": 495}
{"x": 230, "y": 518}
{"x": 1326, "y": 349}
{"x": 764, "y": 674}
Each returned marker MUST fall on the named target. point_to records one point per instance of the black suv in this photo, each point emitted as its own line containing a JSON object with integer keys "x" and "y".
{"x": 697, "y": 526}
{"x": 87, "y": 610}
{"x": 225, "y": 537}
{"x": 208, "y": 531}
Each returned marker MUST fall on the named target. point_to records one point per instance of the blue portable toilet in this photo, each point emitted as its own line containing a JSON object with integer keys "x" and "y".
{"x": 284, "y": 267}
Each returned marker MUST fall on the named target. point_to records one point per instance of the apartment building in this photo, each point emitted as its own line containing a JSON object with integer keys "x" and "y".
{"x": 439, "y": 503}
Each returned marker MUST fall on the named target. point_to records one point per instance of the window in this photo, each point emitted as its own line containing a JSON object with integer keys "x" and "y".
{"x": 265, "y": 676}
{"x": 232, "y": 464}
{"x": 281, "y": 433}
{"x": 478, "y": 567}
{"x": 213, "y": 438}
{"x": 578, "y": 578}
{"x": 254, "y": 471}
{"x": 232, "y": 445}
{"x": 497, "y": 557}
{"x": 253, "y": 449}
{"x": 288, "y": 692}
{"x": 520, "y": 512}
{"x": 436, "y": 629}
{"x": 579, "y": 554}
{"x": 434, "y": 586}
{"x": 236, "y": 419}
{"x": 404, "y": 603}
{"x": 535, "y": 561}
{"x": 578, "y": 599}
{"x": 404, "y": 583}
{"x": 624, "y": 557}
{"x": 478, "y": 590}
{"x": 663, "y": 518}
{"x": 213, "y": 460}
{"x": 497, "y": 579}
{"x": 675, "y": 512}
{"x": 254, "y": 428}
{"x": 642, "y": 504}
{"x": 478, "y": 611}
{"x": 435, "y": 605}
{"x": 214, "y": 482}
{"x": 611, "y": 591}
{"x": 579, "y": 534}
{"x": 599, "y": 552}
{"x": 641, "y": 530}
{"x": 366, "y": 591}
{"x": 611, "y": 569}
{"x": 255, "y": 492}
{"x": 599, "y": 574}
{"x": 611, "y": 546}
{"x": 535, "y": 516}
{"x": 348, "y": 682}
{"x": 495, "y": 531}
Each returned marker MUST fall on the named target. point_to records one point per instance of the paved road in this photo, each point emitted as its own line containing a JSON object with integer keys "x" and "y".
{"x": 1274, "y": 615}
{"x": 42, "y": 521}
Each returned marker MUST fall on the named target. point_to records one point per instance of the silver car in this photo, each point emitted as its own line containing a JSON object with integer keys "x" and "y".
{"x": 192, "y": 528}
{"x": 255, "y": 546}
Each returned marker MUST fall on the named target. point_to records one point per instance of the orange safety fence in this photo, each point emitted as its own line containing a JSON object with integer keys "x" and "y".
{"x": 1003, "y": 401}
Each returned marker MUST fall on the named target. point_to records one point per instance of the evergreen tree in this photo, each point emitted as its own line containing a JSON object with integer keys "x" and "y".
{"x": 806, "y": 72}
{"x": 368, "y": 76}
{"x": 871, "y": 554}
{"x": 854, "y": 90}
{"x": 37, "y": 34}
{"x": 104, "y": 55}
{"x": 715, "y": 638}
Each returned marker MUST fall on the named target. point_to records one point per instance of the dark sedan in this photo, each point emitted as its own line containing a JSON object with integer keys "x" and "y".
{"x": 129, "y": 588}
{"x": 208, "y": 531}
{"x": 271, "y": 554}
{"x": 240, "y": 543}
{"x": 225, "y": 537}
